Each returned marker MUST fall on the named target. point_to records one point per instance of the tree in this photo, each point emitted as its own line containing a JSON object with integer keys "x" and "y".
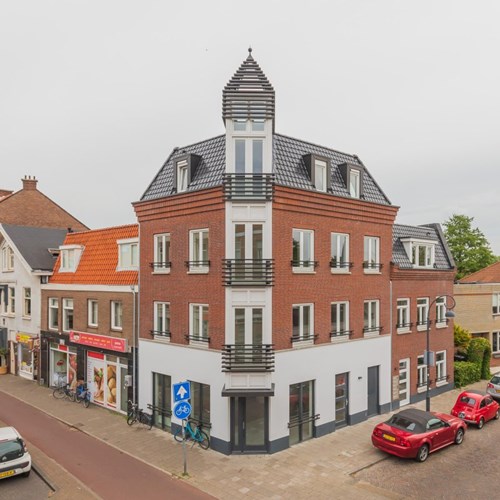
{"x": 469, "y": 247}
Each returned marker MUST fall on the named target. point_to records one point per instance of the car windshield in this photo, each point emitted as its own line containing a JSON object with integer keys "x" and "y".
{"x": 403, "y": 423}
{"x": 495, "y": 380}
{"x": 10, "y": 450}
{"x": 466, "y": 400}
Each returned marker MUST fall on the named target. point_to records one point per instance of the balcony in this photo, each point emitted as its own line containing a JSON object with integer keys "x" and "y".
{"x": 340, "y": 336}
{"x": 160, "y": 267}
{"x": 248, "y": 358}
{"x": 248, "y": 187}
{"x": 197, "y": 340}
{"x": 303, "y": 340}
{"x": 160, "y": 335}
{"x": 248, "y": 272}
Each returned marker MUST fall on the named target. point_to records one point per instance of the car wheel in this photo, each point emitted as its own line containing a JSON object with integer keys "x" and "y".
{"x": 423, "y": 453}
{"x": 459, "y": 436}
{"x": 480, "y": 424}
{"x": 497, "y": 415}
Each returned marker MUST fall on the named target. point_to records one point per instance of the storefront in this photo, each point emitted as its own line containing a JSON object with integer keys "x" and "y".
{"x": 63, "y": 365}
{"x": 26, "y": 354}
{"x": 107, "y": 367}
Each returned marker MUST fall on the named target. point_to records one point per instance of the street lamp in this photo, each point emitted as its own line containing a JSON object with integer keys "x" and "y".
{"x": 449, "y": 314}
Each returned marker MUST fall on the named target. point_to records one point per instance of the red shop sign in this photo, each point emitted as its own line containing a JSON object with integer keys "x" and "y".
{"x": 99, "y": 341}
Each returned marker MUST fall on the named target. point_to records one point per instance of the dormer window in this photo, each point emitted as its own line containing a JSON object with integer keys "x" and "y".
{"x": 128, "y": 255}
{"x": 420, "y": 252}
{"x": 318, "y": 169}
{"x": 182, "y": 176}
{"x": 70, "y": 257}
{"x": 353, "y": 178}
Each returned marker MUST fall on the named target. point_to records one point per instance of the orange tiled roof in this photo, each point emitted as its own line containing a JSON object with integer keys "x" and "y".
{"x": 490, "y": 274}
{"x": 99, "y": 258}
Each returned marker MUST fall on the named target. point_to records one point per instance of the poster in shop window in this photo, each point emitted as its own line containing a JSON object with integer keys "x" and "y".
{"x": 95, "y": 376}
{"x": 111, "y": 385}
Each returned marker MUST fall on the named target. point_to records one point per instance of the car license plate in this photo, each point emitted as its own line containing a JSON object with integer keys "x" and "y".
{"x": 7, "y": 473}
{"x": 389, "y": 438}
{"x": 498, "y": 391}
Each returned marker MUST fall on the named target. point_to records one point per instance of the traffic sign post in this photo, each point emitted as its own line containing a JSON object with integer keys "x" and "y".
{"x": 182, "y": 410}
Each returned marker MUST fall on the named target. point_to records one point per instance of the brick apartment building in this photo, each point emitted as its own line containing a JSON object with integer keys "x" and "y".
{"x": 89, "y": 315}
{"x": 266, "y": 271}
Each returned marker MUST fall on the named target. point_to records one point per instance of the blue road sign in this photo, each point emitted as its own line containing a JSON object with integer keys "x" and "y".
{"x": 182, "y": 391}
{"x": 182, "y": 410}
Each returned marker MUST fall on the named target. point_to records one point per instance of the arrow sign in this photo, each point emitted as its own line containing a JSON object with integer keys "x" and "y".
{"x": 182, "y": 391}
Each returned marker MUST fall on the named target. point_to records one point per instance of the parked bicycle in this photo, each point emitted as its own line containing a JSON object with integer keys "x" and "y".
{"x": 136, "y": 414}
{"x": 193, "y": 432}
{"x": 82, "y": 395}
{"x": 63, "y": 392}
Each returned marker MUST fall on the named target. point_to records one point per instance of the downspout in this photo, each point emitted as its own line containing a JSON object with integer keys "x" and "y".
{"x": 390, "y": 341}
{"x": 134, "y": 344}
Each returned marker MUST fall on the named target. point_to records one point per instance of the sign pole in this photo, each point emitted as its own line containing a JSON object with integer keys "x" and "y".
{"x": 184, "y": 446}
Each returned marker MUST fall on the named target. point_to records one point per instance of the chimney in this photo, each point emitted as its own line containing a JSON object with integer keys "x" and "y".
{"x": 29, "y": 183}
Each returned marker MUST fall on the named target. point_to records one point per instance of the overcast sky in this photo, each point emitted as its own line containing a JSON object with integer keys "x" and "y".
{"x": 94, "y": 95}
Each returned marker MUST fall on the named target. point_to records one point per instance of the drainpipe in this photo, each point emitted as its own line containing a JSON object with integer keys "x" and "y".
{"x": 390, "y": 341}
{"x": 134, "y": 344}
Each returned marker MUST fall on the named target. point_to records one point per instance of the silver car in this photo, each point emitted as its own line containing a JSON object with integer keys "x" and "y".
{"x": 14, "y": 457}
{"x": 493, "y": 387}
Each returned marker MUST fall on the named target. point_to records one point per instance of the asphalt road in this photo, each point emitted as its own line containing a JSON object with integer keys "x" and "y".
{"x": 469, "y": 470}
{"x": 27, "y": 488}
{"x": 109, "y": 473}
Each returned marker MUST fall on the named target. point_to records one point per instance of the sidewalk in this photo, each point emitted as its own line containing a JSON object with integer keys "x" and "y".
{"x": 319, "y": 468}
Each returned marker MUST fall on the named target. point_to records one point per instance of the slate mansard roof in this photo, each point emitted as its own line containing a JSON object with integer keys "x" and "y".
{"x": 429, "y": 232}
{"x": 288, "y": 166}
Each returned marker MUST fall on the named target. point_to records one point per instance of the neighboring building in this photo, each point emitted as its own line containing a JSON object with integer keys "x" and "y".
{"x": 30, "y": 207}
{"x": 478, "y": 306}
{"x": 422, "y": 276}
{"x": 89, "y": 314}
{"x": 266, "y": 282}
{"x": 27, "y": 257}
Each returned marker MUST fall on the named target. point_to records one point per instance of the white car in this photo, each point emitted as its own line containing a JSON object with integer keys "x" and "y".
{"x": 14, "y": 457}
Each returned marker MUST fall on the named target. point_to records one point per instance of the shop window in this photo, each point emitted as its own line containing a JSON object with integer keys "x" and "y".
{"x": 200, "y": 403}
{"x": 53, "y": 314}
{"x": 162, "y": 400}
{"x": 67, "y": 315}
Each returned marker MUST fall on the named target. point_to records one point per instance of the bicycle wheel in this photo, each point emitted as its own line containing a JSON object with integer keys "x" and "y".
{"x": 71, "y": 396}
{"x": 132, "y": 418}
{"x": 58, "y": 393}
{"x": 146, "y": 420}
{"x": 178, "y": 435}
{"x": 205, "y": 440}
{"x": 86, "y": 400}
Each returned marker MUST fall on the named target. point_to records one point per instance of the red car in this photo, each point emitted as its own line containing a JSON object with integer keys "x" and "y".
{"x": 476, "y": 407}
{"x": 415, "y": 433}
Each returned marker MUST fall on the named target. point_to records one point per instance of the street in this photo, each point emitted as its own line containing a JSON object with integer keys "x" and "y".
{"x": 466, "y": 471}
{"x": 103, "y": 469}
{"x": 27, "y": 488}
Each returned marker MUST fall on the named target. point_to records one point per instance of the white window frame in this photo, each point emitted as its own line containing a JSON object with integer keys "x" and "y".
{"x": 339, "y": 263}
{"x": 182, "y": 176}
{"x": 53, "y": 307}
{"x": 116, "y": 315}
{"x": 27, "y": 303}
{"x": 355, "y": 183}
{"x": 371, "y": 255}
{"x": 196, "y": 327}
{"x": 441, "y": 369}
{"x": 69, "y": 258}
{"x": 371, "y": 327}
{"x": 128, "y": 254}
{"x": 421, "y": 374}
{"x": 441, "y": 312}
{"x": 248, "y": 150}
{"x": 320, "y": 173}
{"x": 301, "y": 339}
{"x": 403, "y": 322}
{"x": 422, "y": 313}
{"x": 161, "y": 320}
{"x": 10, "y": 306}
{"x": 7, "y": 259}
{"x": 337, "y": 333}
{"x": 197, "y": 266}
{"x": 92, "y": 313}
{"x": 161, "y": 264}
{"x": 66, "y": 303}
{"x": 303, "y": 265}
{"x": 495, "y": 304}
{"x": 428, "y": 254}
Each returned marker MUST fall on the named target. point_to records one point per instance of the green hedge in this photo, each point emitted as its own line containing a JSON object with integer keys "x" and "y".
{"x": 466, "y": 373}
{"x": 479, "y": 352}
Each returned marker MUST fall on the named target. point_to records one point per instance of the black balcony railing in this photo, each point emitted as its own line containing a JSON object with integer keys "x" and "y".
{"x": 304, "y": 338}
{"x": 340, "y": 264}
{"x": 373, "y": 266}
{"x": 160, "y": 266}
{"x": 248, "y": 272}
{"x": 404, "y": 325}
{"x": 304, "y": 264}
{"x": 372, "y": 329}
{"x": 248, "y": 358}
{"x": 248, "y": 186}
{"x": 195, "y": 265}
{"x": 344, "y": 334}
{"x": 197, "y": 338}
{"x": 160, "y": 334}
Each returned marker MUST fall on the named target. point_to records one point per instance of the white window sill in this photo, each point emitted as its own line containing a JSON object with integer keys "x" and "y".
{"x": 421, "y": 389}
{"x": 340, "y": 339}
{"x": 368, "y": 271}
{"x": 116, "y": 329}
{"x": 162, "y": 338}
{"x": 92, "y": 326}
{"x": 421, "y": 328}
{"x": 26, "y": 318}
{"x": 335, "y": 270}
{"x": 303, "y": 270}
{"x": 371, "y": 335}
{"x": 53, "y": 329}
{"x": 161, "y": 271}
{"x": 132, "y": 268}
{"x": 198, "y": 271}
{"x": 303, "y": 343}
{"x": 402, "y": 331}
{"x": 441, "y": 325}
{"x": 199, "y": 344}
{"x": 441, "y": 383}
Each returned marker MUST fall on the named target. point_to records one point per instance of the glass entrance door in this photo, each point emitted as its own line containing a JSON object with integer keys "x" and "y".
{"x": 341, "y": 401}
{"x": 404, "y": 382}
{"x": 249, "y": 424}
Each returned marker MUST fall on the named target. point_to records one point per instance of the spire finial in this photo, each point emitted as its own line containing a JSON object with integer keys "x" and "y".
{"x": 250, "y": 50}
